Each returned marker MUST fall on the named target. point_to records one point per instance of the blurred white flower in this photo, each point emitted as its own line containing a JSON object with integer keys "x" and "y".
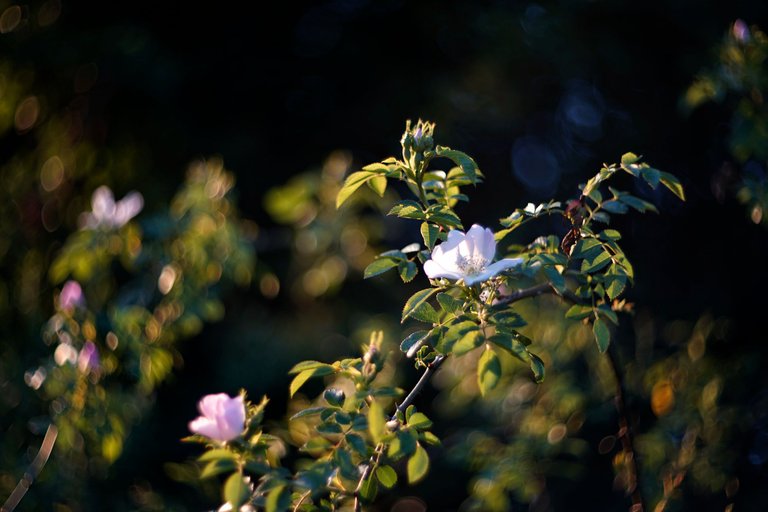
{"x": 106, "y": 213}
{"x": 467, "y": 257}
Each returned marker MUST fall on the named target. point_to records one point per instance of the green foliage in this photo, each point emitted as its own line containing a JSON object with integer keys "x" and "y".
{"x": 352, "y": 444}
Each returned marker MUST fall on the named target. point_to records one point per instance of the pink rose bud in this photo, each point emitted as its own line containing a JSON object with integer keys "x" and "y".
{"x": 88, "y": 360}
{"x": 740, "y": 31}
{"x": 71, "y": 296}
{"x": 223, "y": 418}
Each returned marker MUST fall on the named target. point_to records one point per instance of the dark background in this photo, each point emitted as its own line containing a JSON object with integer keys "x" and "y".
{"x": 540, "y": 94}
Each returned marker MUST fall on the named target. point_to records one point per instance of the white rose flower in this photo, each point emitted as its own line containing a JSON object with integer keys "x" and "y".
{"x": 467, "y": 257}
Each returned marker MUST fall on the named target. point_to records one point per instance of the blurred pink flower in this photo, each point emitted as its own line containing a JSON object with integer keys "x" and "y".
{"x": 223, "y": 418}
{"x": 468, "y": 257}
{"x": 740, "y": 31}
{"x": 106, "y": 213}
{"x": 71, "y": 296}
{"x": 88, "y": 360}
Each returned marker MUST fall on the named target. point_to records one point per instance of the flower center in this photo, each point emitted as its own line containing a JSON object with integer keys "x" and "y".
{"x": 472, "y": 266}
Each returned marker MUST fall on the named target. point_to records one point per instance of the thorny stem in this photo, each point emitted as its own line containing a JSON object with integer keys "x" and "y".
{"x": 625, "y": 435}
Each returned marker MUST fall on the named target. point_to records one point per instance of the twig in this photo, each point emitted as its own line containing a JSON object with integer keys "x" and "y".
{"x": 32, "y": 471}
{"x": 431, "y": 369}
{"x": 625, "y": 435}
{"x": 535, "y": 291}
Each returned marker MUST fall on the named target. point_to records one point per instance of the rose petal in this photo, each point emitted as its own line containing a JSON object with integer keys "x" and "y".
{"x": 205, "y": 427}
{"x": 210, "y": 405}
{"x": 434, "y": 270}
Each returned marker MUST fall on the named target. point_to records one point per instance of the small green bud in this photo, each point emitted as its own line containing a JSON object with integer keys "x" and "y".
{"x": 334, "y": 397}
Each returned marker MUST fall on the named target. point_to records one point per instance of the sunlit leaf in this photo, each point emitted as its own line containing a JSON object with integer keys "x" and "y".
{"x": 386, "y": 476}
{"x": 379, "y": 266}
{"x": 488, "y": 371}
{"x": 418, "y": 465}
{"x": 235, "y": 490}
{"x": 602, "y": 334}
{"x": 416, "y": 300}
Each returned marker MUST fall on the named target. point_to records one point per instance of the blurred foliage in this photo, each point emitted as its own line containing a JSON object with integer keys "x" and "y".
{"x": 740, "y": 80}
{"x": 325, "y": 244}
{"x": 144, "y": 290}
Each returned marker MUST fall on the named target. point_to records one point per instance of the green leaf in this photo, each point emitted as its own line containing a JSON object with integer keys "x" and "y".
{"x": 426, "y": 313}
{"x": 453, "y": 334}
{"x": 468, "y": 166}
{"x": 416, "y": 300}
{"x": 235, "y": 490}
{"x": 316, "y": 446}
{"x": 278, "y": 499}
{"x": 219, "y": 453}
{"x": 217, "y": 467}
{"x": 651, "y": 176}
{"x": 407, "y": 270}
{"x": 376, "y": 421}
{"x": 370, "y": 488}
{"x": 672, "y": 183}
{"x": 418, "y": 465}
{"x": 357, "y": 443}
{"x": 615, "y": 285}
{"x": 537, "y": 367}
{"x": 351, "y": 184}
{"x": 310, "y": 411}
{"x": 577, "y": 312}
{"x": 430, "y": 234}
{"x": 511, "y": 344}
{"x": 419, "y": 421}
{"x": 596, "y": 261}
{"x": 445, "y": 219}
{"x": 304, "y": 376}
{"x": 637, "y": 203}
{"x": 609, "y": 234}
{"x": 407, "y": 209}
{"x": 556, "y": 278}
{"x": 488, "y": 371}
{"x": 470, "y": 341}
{"x": 584, "y": 247}
{"x": 615, "y": 206}
{"x": 378, "y": 184}
{"x": 629, "y": 158}
{"x": 430, "y": 438}
{"x": 386, "y": 476}
{"x": 450, "y": 304}
{"x": 602, "y": 334}
{"x": 412, "y": 339}
{"x": 379, "y": 266}
{"x": 403, "y": 444}
{"x": 605, "y": 311}
{"x": 309, "y": 365}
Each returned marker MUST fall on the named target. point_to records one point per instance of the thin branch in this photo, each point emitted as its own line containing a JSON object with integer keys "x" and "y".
{"x": 535, "y": 291}
{"x": 374, "y": 460}
{"x": 32, "y": 471}
{"x": 303, "y": 497}
{"x": 431, "y": 369}
{"x": 625, "y": 435}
